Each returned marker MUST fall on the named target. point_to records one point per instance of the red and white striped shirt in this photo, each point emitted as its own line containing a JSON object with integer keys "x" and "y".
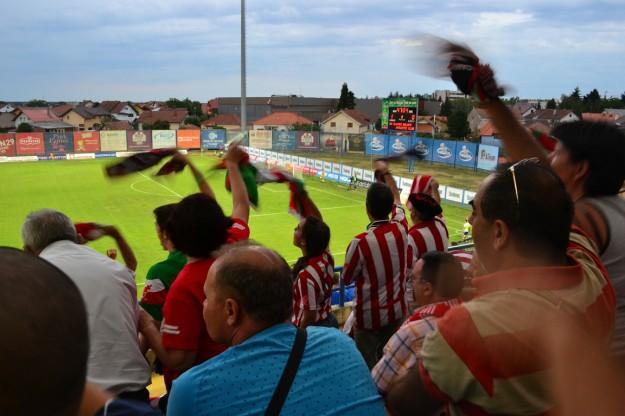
{"x": 429, "y": 236}
{"x": 312, "y": 289}
{"x": 377, "y": 261}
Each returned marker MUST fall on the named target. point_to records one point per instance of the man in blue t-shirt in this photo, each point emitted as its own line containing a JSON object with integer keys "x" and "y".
{"x": 248, "y": 305}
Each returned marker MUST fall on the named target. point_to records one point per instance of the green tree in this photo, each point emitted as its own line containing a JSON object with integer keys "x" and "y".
{"x": 158, "y": 125}
{"x": 458, "y": 125}
{"x": 305, "y": 127}
{"x": 446, "y": 108}
{"x": 195, "y": 120}
{"x": 572, "y": 102}
{"x": 193, "y": 107}
{"x": 37, "y": 103}
{"x": 551, "y": 104}
{"x": 347, "y": 100}
{"x": 592, "y": 102}
{"x": 24, "y": 128}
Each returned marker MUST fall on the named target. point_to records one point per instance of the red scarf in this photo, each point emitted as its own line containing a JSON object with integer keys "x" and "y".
{"x": 435, "y": 310}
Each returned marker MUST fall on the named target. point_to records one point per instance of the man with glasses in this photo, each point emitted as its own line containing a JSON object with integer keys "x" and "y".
{"x": 487, "y": 356}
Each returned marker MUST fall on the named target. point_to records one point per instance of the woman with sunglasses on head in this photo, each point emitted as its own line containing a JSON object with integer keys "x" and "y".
{"x": 589, "y": 158}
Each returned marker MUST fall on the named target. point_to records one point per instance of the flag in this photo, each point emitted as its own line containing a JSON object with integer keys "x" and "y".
{"x": 546, "y": 141}
{"x": 138, "y": 162}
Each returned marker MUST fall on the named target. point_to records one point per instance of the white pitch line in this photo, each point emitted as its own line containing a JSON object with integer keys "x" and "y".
{"x": 335, "y": 195}
{"x": 166, "y": 187}
{"x": 132, "y": 186}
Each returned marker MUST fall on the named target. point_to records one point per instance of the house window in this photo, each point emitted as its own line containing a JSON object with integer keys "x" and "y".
{"x": 332, "y": 124}
{"x": 350, "y": 125}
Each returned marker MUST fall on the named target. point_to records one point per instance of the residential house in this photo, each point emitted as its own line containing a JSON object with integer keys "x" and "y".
{"x": 477, "y": 118}
{"x": 6, "y": 108}
{"x": 84, "y": 118}
{"x": 117, "y": 125}
{"x": 121, "y": 110}
{"x": 281, "y": 120}
{"x": 175, "y": 118}
{"x": 524, "y": 108}
{"x": 227, "y": 121}
{"x": 431, "y": 125}
{"x": 618, "y": 112}
{"x": 31, "y": 115}
{"x": 600, "y": 117}
{"x": 7, "y": 121}
{"x": 551, "y": 117}
{"x": 347, "y": 121}
{"x": 62, "y": 109}
{"x": 444, "y": 95}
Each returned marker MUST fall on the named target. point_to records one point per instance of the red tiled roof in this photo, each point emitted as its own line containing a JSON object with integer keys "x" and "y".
{"x": 603, "y": 117}
{"x": 61, "y": 110}
{"x": 359, "y": 116}
{"x": 117, "y": 125}
{"x": 39, "y": 114}
{"x": 282, "y": 118}
{"x": 171, "y": 116}
{"x": 548, "y": 115}
{"x": 223, "y": 120}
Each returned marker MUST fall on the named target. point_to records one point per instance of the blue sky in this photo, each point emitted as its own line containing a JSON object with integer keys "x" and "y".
{"x": 145, "y": 50}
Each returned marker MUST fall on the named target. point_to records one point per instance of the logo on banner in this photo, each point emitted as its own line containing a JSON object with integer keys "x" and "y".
{"x": 487, "y": 156}
{"x": 58, "y": 142}
{"x": 330, "y": 142}
{"x": 465, "y": 154}
{"x": 398, "y": 146}
{"x": 30, "y": 141}
{"x": 283, "y": 136}
{"x": 139, "y": 138}
{"x": 307, "y": 139}
{"x": 212, "y": 135}
{"x": 376, "y": 144}
{"x": 5, "y": 144}
{"x": 443, "y": 151}
{"x": 422, "y": 148}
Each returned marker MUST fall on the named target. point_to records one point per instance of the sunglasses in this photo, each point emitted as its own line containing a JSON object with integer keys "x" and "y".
{"x": 512, "y": 170}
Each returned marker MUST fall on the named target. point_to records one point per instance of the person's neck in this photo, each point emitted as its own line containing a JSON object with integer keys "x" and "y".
{"x": 247, "y": 330}
{"x": 511, "y": 261}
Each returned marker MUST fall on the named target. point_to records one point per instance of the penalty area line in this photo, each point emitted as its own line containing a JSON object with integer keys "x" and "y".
{"x": 160, "y": 184}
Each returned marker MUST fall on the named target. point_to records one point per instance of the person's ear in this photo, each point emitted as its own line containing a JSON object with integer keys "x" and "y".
{"x": 582, "y": 168}
{"x": 232, "y": 311}
{"x": 501, "y": 235}
{"x": 428, "y": 289}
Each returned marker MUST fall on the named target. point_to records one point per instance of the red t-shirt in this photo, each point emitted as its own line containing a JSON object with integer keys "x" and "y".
{"x": 183, "y": 326}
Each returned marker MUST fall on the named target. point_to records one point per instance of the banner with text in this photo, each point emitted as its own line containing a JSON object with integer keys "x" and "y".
{"x": 86, "y": 141}
{"x": 466, "y": 154}
{"x": 213, "y": 139}
{"x": 487, "y": 157}
{"x": 443, "y": 151}
{"x": 7, "y": 145}
{"x": 188, "y": 139}
{"x": 27, "y": 144}
{"x": 261, "y": 139}
{"x": 283, "y": 140}
{"x": 113, "y": 141}
{"x": 139, "y": 140}
{"x": 308, "y": 140}
{"x": 59, "y": 143}
{"x": 356, "y": 143}
{"x": 163, "y": 139}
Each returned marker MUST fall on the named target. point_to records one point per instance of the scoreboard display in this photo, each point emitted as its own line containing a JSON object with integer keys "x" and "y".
{"x": 399, "y": 114}
{"x": 402, "y": 118}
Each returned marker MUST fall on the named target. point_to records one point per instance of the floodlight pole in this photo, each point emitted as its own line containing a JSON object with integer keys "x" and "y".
{"x": 243, "y": 74}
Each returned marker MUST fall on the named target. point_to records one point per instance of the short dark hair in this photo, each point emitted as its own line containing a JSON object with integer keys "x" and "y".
{"x": 541, "y": 221}
{"x": 45, "y": 338}
{"x": 603, "y": 146}
{"x": 198, "y": 226}
{"x": 379, "y": 200}
{"x": 448, "y": 285}
{"x": 163, "y": 214}
{"x": 265, "y": 291}
{"x": 316, "y": 234}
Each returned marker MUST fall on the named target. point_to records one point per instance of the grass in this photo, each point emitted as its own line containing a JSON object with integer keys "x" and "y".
{"x": 80, "y": 189}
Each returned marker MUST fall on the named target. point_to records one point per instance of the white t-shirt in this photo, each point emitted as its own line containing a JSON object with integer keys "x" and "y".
{"x": 110, "y": 294}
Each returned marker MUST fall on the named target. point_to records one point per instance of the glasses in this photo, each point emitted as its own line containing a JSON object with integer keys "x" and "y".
{"x": 531, "y": 160}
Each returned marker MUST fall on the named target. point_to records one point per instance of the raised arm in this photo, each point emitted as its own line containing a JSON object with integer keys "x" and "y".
{"x": 199, "y": 177}
{"x": 384, "y": 174}
{"x": 240, "y": 197}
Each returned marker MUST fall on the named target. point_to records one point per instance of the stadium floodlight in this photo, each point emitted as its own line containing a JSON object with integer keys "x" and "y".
{"x": 243, "y": 74}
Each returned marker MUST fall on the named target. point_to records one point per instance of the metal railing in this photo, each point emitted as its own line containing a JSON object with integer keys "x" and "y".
{"x": 342, "y": 287}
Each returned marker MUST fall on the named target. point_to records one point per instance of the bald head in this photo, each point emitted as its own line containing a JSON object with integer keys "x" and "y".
{"x": 259, "y": 279}
{"x": 44, "y": 348}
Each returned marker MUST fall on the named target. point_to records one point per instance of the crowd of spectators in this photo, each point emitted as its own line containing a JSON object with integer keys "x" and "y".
{"x": 236, "y": 330}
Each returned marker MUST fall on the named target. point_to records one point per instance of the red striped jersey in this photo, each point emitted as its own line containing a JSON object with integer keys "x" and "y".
{"x": 312, "y": 289}
{"x": 488, "y": 356}
{"x": 377, "y": 261}
{"x": 429, "y": 236}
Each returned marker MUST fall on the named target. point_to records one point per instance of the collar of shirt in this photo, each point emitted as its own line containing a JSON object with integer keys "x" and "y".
{"x": 536, "y": 278}
{"x": 377, "y": 223}
{"x": 436, "y": 310}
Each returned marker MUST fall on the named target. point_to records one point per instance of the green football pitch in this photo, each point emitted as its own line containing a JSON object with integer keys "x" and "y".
{"x": 80, "y": 189}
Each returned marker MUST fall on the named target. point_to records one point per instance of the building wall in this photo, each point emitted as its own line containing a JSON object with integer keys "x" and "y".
{"x": 342, "y": 125}
{"x": 22, "y": 119}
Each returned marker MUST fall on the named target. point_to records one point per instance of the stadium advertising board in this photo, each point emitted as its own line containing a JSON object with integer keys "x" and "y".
{"x": 283, "y": 140}
{"x": 399, "y": 144}
{"x": 331, "y": 141}
{"x": 113, "y": 141}
{"x": 367, "y": 175}
{"x": 327, "y": 166}
{"x": 29, "y": 144}
{"x": 468, "y": 197}
{"x": 405, "y": 185}
{"x": 376, "y": 144}
{"x": 346, "y": 170}
{"x": 357, "y": 172}
{"x": 453, "y": 194}
{"x": 356, "y": 143}
{"x": 466, "y": 154}
{"x": 336, "y": 168}
{"x": 213, "y": 139}
{"x": 301, "y": 161}
{"x": 163, "y": 139}
{"x": 310, "y": 163}
{"x": 262, "y": 153}
{"x": 7, "y": 145}
{"x": 273, "y": 155}
{"x": 399, "y": 114}
{"x": 86, "y": 141}
{"x": 442, "y": 189}
{"x": 491, "y": 141}
{"x": 424, "y": 146}
{"x": 487, "y": 157}
{"x": 261, "y": 139}
{"x": 444, "y": 151}
{"x": 58, "y": 143}
{"x": 188, "y": 139}
{"x": 139, "y": 140}
{"x": 308, "y": 140}
{"x": 319, "y": 164}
